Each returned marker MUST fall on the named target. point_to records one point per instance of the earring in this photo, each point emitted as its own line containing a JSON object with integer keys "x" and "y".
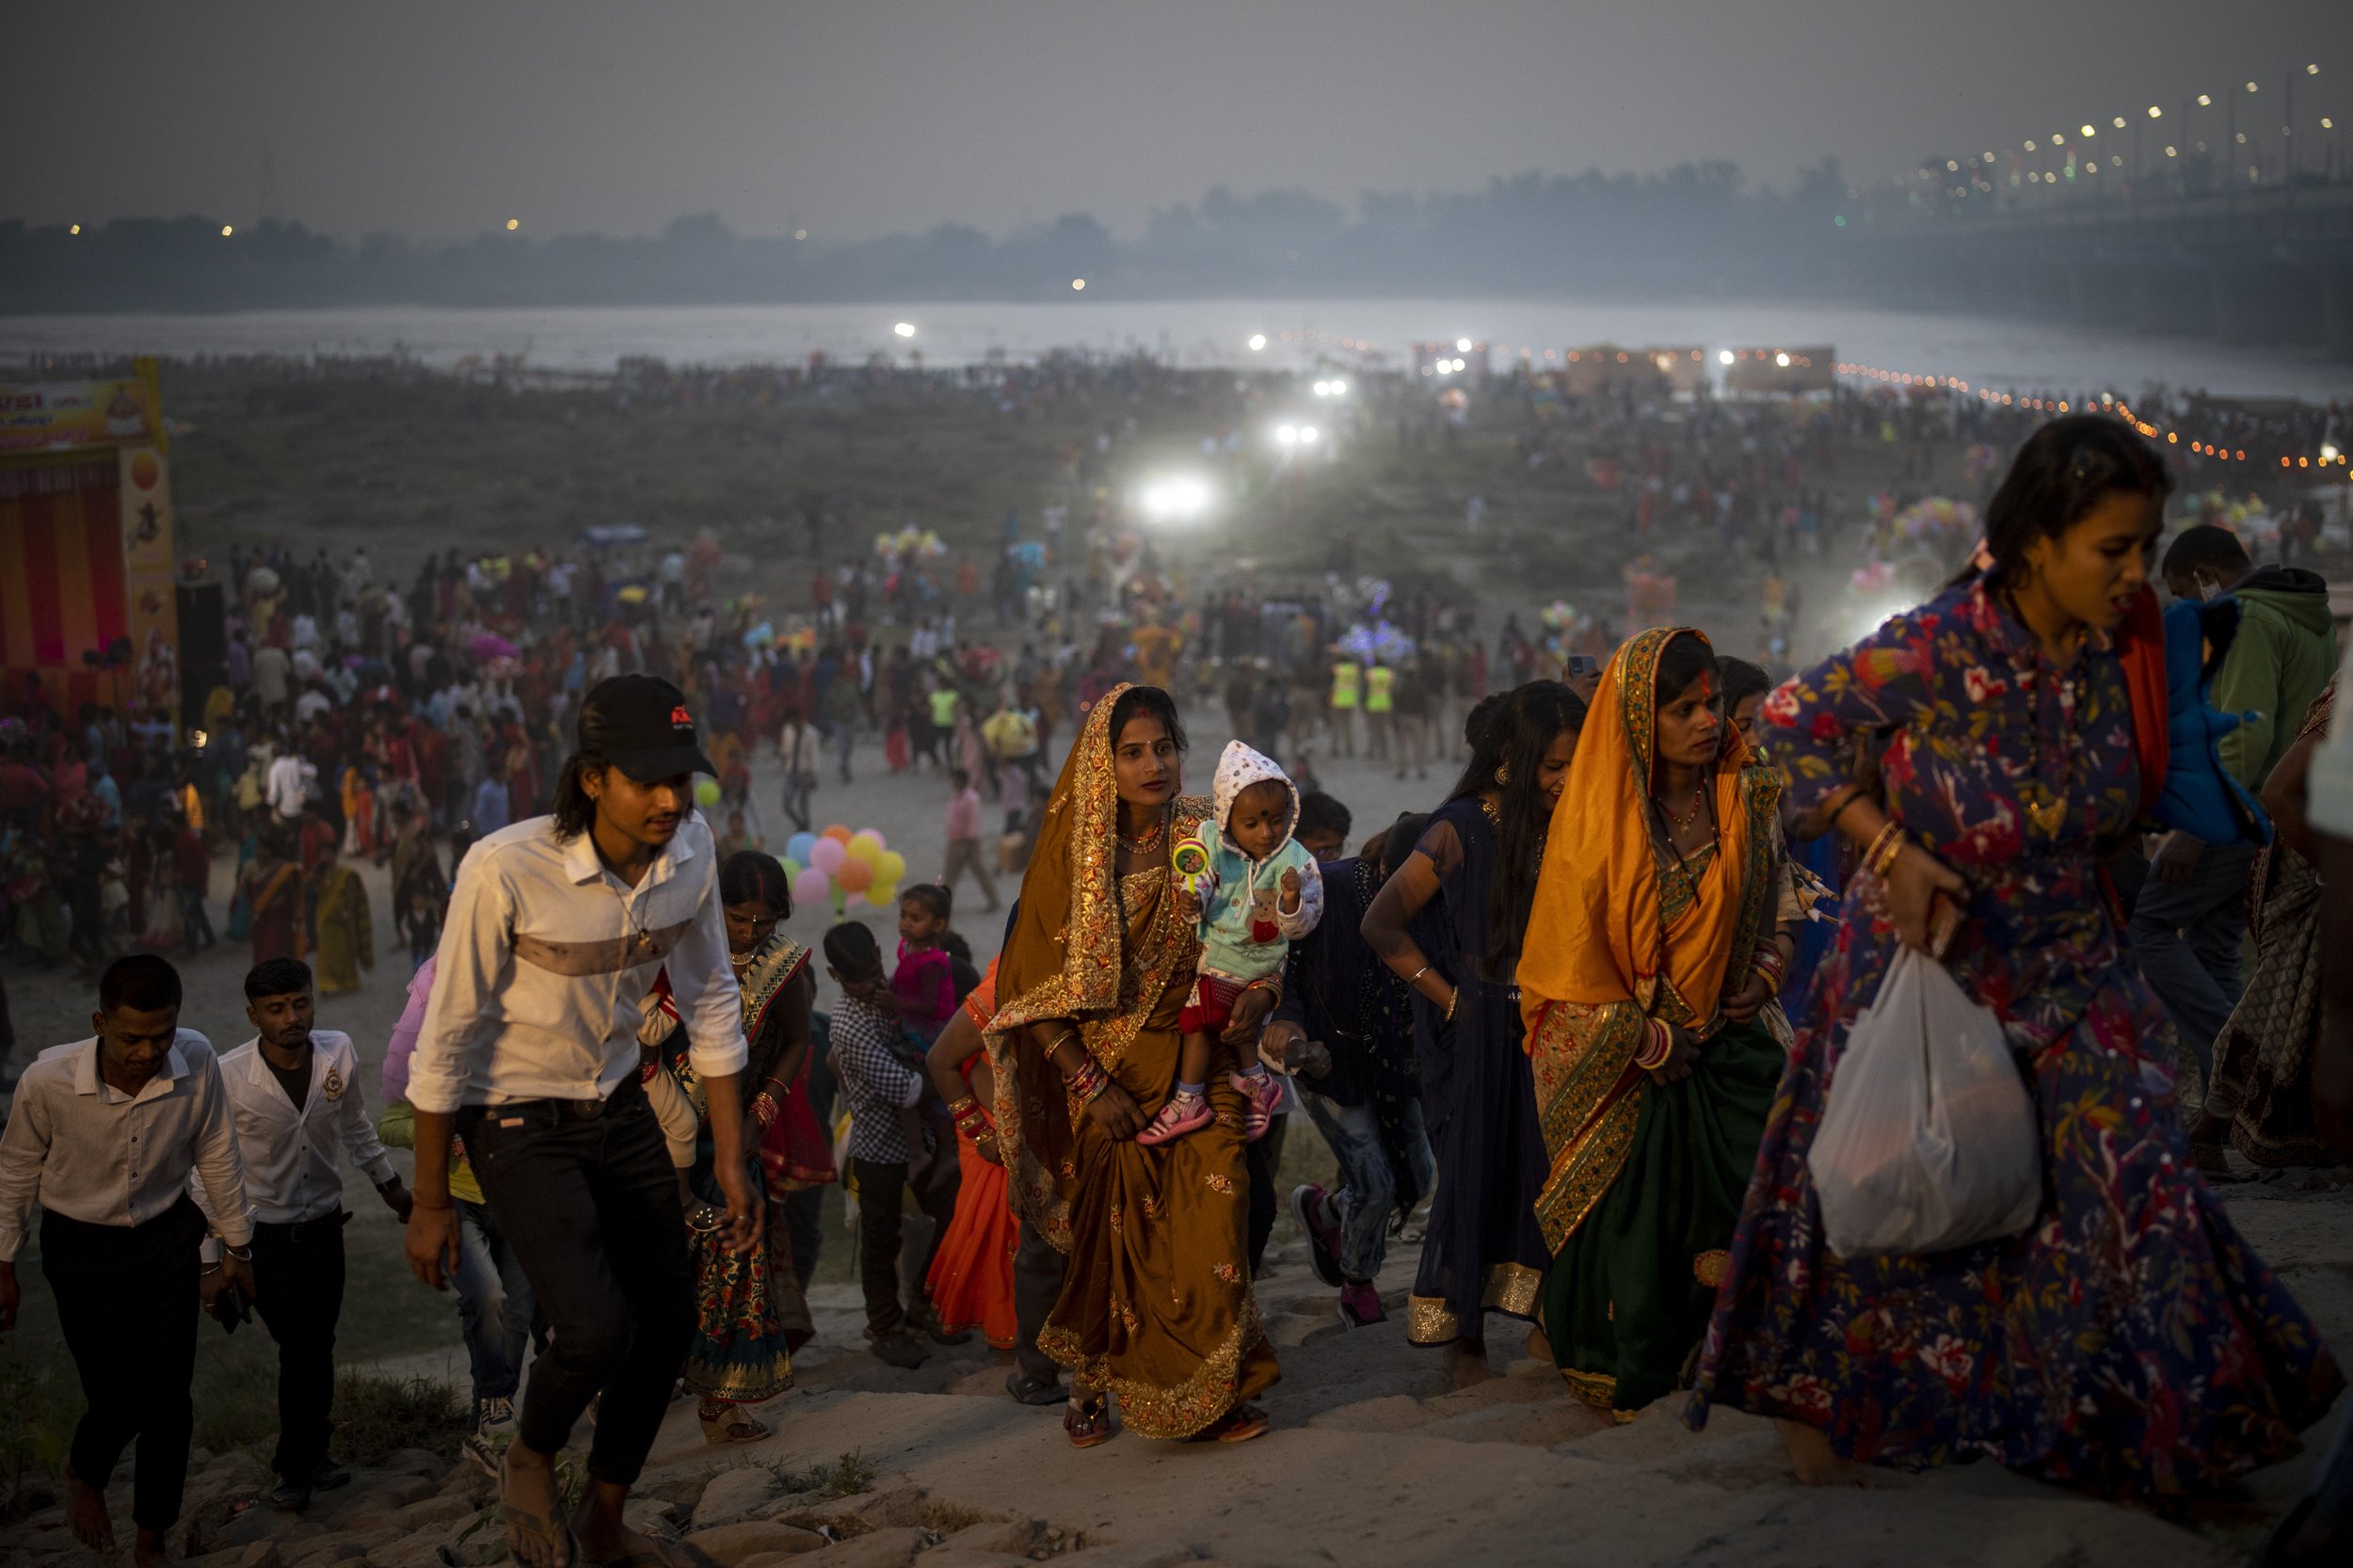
{"x": 1503, "y": 775}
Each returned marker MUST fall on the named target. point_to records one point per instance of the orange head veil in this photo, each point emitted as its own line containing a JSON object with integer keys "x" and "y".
{"x": 1595, "y": 935}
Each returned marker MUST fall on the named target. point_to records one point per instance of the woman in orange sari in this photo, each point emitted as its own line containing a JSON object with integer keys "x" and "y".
{"x": 971, "y": 1278}
{"x": 1646, "y": 984}
{"x": 1155, "y": 1306}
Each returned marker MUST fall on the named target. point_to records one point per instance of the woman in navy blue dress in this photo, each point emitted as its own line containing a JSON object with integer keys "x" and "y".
{"x": 1449, "y": 923}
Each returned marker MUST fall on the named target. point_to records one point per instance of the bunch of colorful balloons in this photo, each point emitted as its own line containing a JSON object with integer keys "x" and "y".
{"x": 838, "y": 863}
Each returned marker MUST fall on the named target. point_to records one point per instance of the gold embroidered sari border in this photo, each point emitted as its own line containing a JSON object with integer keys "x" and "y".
{"x": 1148, "y": 1411}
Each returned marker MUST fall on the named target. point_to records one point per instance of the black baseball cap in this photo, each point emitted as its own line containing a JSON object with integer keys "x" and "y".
{"x": 639, "y": 724}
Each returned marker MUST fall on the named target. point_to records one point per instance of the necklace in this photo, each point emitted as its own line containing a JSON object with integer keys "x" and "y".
{"x": 1150, "y": 841}
{"x": 1685, "y": 823}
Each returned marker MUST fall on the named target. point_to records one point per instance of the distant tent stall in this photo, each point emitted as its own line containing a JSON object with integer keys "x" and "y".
{"x": 87, "y": 609}
{"x": 1781, "y": 371}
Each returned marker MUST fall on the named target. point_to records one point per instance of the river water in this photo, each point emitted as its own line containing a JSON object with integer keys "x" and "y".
{"x": 2001, "y": 353}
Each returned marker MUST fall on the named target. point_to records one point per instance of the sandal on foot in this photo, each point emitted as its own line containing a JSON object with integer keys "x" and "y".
{"x": 1260, "y": 1094}
{"x": 558, "y": 1535}
{"x": 1088, "y": 1422}
{"x": 1238, "y": 1425}
{"x": 1179, "y": 1115}
{"x": 733, "y": 1424}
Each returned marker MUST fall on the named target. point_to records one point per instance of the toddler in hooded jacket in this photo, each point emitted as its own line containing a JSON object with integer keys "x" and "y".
{"x": 1258, "y": 891}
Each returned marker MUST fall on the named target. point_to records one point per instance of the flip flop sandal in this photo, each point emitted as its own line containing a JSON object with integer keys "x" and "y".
{"x": 1238, "y": 1425}
{"x": 1087, "y": 1424}
{"x": 542, "y": 1527}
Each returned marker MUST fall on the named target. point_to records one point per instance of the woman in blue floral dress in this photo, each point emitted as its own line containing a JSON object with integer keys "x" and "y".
{"x": 2130, "y": 1341}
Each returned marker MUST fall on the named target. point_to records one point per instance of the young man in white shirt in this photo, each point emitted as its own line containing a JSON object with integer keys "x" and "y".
{"x": 556, "y": 930}
{"x": 289, "y": 785}
{"x": 104, "y": 1134}
{"x": 293, "y": 1092}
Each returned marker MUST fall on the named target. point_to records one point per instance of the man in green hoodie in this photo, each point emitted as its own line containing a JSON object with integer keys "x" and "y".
{"x": 2191, "y": 917}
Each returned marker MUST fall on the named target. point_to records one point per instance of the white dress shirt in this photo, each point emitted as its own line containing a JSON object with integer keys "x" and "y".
{"x": 77, "y": 1144}
{"x": 544, "y": 965}
{"x": 288, "y": 787}
{"x": 289, "y": 1150}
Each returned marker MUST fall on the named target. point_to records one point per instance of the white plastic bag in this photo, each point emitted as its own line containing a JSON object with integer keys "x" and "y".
{"x": 1930, "y": 1140}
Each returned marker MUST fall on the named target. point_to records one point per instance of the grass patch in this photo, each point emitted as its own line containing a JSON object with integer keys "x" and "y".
{"x": 376, "y": 1416}
{"x": 845, "y": 1477}
{"x": 235, "y": 1393}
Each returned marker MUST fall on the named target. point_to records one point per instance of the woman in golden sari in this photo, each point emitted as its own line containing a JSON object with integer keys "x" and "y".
{"x": 1647, "y": 985}
{"x": 1156, "y": 1307}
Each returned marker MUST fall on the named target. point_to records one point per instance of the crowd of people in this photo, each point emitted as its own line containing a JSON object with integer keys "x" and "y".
{"x": 1585, "y": 1013}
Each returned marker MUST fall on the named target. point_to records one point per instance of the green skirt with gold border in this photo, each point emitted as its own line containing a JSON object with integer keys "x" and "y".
{"x": 1629, "y": 1294}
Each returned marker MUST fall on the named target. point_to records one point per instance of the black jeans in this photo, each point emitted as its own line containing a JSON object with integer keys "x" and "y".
{"x": 1262, "y": 1160}
{"x": 299, "y": 1292}
{"x": 880, "y": 1189}
{"x": 127, "y": 1298}
{"x": 193, "y": 916}
{"x": 1037, "y": 1279}
{"x": 590, "y": 1204}
{"x": 805, "y": 1222}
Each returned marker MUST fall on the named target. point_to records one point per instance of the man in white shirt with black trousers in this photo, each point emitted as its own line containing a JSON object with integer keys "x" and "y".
{"x": 104, "y": 1134}
{"x": 557, "y": 927}
{"x": 295, "y": 1093}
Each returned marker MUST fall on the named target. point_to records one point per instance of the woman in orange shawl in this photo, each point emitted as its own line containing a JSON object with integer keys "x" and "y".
{"x": 1646, "y": 984}
{"x": 1155, "y": 1306}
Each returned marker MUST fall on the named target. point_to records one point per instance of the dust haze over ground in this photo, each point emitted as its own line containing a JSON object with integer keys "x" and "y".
{"x": 1373, "y": 1460}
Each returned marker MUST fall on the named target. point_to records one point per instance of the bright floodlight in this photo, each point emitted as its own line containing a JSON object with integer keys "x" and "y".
{"x": 1723, "y": 356}
{"x": 513, "y": 224}
{"x": 1079, "y": 283}
{"x": 1287, "y": 435}
{"x": 1321, "y": 389}
{"x": 905, "y": 328}
{"x": 1307, "y": 434}
{"x": 1177, "y": 498}
{"x": 1782, "y": 360}
{"x": 1258, "y": 342}
{"x": 1462, "y": 346}
{"x": 227, "y": 229}
{"x": 1340, "y": 387}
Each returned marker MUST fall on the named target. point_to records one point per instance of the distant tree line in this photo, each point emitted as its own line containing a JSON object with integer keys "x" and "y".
{"x": 1699, "y": 228}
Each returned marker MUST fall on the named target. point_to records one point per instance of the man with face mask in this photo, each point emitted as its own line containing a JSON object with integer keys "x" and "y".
{"x": 2190, "y": 915}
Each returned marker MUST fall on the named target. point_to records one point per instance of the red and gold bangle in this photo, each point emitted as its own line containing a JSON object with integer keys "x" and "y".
{"x": 1769, "y": 963}
{"x": 1088, "y": 1082}
{"x": 1662, "y": 1044}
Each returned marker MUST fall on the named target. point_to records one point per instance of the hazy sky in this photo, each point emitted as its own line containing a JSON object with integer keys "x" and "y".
{"x": 439, "y": 119}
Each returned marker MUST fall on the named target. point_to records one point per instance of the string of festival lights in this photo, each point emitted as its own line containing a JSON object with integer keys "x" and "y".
{"x": 2108, "y": 403}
